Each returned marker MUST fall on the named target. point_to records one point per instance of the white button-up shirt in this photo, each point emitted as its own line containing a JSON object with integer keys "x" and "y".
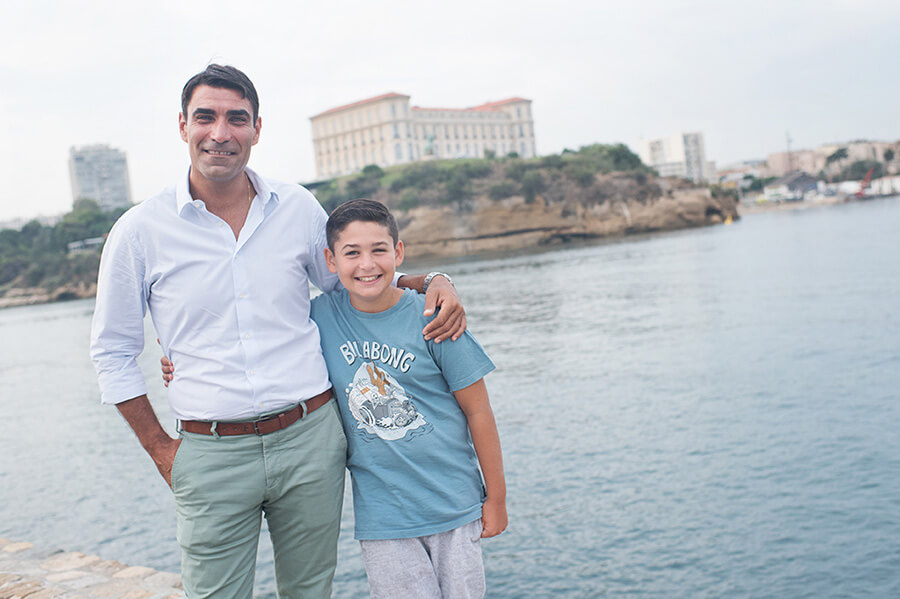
{"x": 233, "y": 315}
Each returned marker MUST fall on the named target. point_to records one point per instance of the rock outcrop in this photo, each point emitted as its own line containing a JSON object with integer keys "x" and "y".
{"x": 511, "y": 224}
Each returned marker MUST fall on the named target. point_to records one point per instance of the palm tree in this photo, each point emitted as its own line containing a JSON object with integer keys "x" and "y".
{"x": 837, "y": 156}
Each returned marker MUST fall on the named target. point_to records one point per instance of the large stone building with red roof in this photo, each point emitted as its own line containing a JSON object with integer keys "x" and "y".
{"x": 386, "y": 130}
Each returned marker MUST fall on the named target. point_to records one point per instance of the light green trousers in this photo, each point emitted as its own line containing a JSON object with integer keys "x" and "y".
{"x": 222, "y": 486}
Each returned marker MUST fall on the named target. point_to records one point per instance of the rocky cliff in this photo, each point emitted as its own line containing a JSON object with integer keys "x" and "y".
{"x": 486, "y": 225}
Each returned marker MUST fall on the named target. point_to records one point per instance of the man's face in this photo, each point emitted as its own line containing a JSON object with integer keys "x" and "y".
{"x": 219, "y": 130}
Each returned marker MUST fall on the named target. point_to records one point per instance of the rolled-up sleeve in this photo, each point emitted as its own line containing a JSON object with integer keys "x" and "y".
{"x": 117, "y": 330}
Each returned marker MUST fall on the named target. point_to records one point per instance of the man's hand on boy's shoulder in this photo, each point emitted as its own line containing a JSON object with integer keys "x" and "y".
{"x": 450, "y": 322}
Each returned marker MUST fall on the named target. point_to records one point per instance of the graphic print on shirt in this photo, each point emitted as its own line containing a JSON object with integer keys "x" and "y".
{"x": 380, "y": 405}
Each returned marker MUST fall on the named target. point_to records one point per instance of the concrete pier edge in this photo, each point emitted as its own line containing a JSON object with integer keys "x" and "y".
{"x": 32, "y": 573}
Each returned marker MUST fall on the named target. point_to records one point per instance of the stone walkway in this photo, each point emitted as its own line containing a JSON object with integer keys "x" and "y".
{"x": 28, "y": 572}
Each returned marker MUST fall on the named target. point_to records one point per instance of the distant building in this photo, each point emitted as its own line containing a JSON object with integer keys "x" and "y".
{"x": 816, "y": 160}
{"x": 99, "y": 173}
{"x": 680, "y": 155}
{"x": 741, "y": 173}
{"x": 792, "y": 187}
{"x": 386, "y": 130}
{"x": 780, "y": 164}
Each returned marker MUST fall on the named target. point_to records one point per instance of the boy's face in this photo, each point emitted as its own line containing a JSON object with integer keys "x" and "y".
{"x": 365, "y": 259}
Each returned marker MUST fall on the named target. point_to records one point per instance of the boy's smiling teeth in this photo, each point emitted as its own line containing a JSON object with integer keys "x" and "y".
{"x": 368, "y": 279}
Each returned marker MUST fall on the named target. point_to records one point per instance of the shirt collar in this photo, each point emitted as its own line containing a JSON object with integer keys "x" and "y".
{"x": 263, "y": 190}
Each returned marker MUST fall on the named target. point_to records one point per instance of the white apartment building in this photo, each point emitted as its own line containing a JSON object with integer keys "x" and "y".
{"x": 99, "y": 173}
{"x": 386, "y": 130}
{"x": 679, "y": 155}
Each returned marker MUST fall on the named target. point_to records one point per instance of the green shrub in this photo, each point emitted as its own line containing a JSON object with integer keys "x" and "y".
{"x": 532, "y": 184}
{"x": 409, "y": 200}
{"x": 373, "y": 171}
{"x": 552, "y": 161}
{"x": 362, "y": 186}
{"x": 581, "y": 173}
{"x": 456, "y": 189}
{"x": 502, "y": 190}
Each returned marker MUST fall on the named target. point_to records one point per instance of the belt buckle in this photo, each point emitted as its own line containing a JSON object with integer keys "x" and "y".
{"x": 256, "y": 423}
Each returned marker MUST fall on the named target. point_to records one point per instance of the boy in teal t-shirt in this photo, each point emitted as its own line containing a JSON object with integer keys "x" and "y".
{"x": 417, "y": 419}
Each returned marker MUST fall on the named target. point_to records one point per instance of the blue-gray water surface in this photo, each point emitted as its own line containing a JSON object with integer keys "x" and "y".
{"x": 708, "y": 413}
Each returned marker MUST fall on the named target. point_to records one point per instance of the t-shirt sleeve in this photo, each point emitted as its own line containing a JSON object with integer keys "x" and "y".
{"x": 462, "y": 362}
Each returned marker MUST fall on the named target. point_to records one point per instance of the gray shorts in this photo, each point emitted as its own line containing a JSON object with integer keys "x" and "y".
{"x": 447, "y": 564}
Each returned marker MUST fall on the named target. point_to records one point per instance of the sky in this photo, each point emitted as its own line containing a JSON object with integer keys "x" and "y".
{"x": 744, "y": 74}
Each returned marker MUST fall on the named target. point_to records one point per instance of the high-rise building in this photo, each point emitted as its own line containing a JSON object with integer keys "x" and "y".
{"x": 100, "y": 173}
{"x": 386, "y": 130}
{"x": 680, "y": 155}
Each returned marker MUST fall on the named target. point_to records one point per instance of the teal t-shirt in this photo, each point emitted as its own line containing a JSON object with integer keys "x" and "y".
{"x": 411, "y": 459}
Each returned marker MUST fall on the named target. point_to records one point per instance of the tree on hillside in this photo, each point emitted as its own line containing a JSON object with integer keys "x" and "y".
{"x": 859, "y": 169}
{"x": 888, "y": 155}
{"x": 532, "y": 184}
{"x": 836, "y": 156}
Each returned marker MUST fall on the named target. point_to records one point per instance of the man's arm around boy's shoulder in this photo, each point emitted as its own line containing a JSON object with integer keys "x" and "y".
{"x": 473, "y": 400}
{"x": 450, "y": 322}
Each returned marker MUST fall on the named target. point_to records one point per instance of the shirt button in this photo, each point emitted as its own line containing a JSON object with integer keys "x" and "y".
{"x": 246, "y": 335}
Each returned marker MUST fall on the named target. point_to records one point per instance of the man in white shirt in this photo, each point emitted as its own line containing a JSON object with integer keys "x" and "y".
{"x": 223, "y": 260}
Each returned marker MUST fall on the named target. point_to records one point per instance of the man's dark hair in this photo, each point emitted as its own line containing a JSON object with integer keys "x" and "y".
{"x": 226, "y": 76}
{"x": 367, "y": 211}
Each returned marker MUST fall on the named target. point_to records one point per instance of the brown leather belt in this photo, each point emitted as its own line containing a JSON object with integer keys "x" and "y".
{"x": 263, "y": 426}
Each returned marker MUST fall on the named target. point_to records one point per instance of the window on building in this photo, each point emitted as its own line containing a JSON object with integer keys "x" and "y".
{"x": 519, "y": 111}
{"x": 523, "y": 152}
{"x": 521, "y": 131}
{"x": 398, "y": 151}
{"x": 396, "y": 130}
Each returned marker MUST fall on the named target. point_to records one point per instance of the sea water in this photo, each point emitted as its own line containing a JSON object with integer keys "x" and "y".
{"x": 707, "y": 413}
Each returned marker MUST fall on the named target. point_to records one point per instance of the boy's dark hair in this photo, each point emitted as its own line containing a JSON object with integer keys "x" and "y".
{"x": 367, "y": 211}
{"x": 226, "y": 76}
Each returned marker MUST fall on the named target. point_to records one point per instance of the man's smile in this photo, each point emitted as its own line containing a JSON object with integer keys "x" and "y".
{"x": 219, "y": 153}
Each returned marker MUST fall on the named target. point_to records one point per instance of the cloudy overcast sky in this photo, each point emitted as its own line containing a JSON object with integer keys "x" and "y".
{"x": 743, "y": 73}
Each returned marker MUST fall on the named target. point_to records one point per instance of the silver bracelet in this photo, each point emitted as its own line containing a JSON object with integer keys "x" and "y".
{"x": 432, "y": 275}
